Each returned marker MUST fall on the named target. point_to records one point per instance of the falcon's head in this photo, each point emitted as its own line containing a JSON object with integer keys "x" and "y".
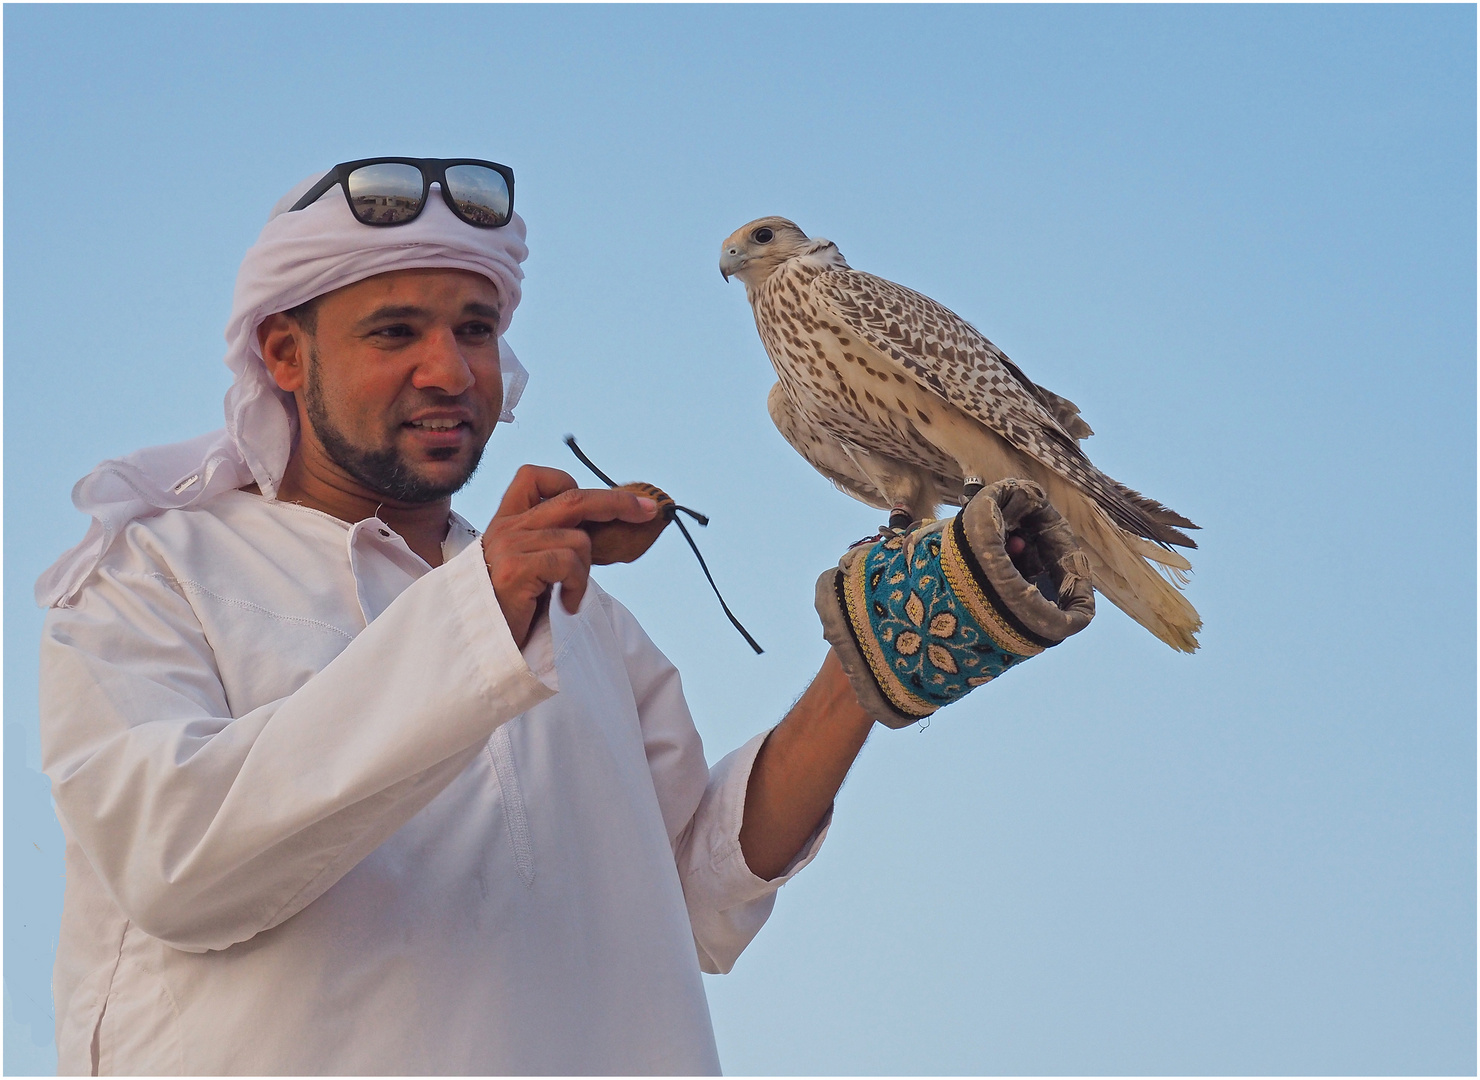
{"x": 753, "y": 252}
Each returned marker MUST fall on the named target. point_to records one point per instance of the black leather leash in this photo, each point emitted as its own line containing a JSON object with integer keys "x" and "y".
{"x": 570, "y": 441}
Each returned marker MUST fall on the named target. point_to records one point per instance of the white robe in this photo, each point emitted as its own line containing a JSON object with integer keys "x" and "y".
{"x": 323, "y": 815}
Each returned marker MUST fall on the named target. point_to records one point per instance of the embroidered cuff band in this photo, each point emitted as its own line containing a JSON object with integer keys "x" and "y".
{"x": 920, "y": 619}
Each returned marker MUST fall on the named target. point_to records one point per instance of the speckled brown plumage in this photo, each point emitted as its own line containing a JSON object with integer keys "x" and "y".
{"x": 897, "y": 399}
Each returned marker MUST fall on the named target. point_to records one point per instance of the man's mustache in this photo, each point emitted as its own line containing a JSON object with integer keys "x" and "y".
{"x": 419, "y": 401}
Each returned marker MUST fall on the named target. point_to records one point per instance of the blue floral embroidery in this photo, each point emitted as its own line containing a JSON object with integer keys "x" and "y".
{"x": 928, "y": 638}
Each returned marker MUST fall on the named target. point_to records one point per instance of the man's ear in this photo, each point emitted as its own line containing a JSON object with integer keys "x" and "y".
{"x": 284, "y": 347}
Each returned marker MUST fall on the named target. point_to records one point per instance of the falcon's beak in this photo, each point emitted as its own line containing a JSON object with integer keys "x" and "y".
{"x": 731, "y": 262}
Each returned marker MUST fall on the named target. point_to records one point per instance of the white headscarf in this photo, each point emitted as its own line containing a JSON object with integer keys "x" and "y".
{"x": 297, "y": 257}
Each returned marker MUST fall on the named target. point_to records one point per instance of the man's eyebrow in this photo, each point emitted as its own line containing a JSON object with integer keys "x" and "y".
{"x": 411, "y": 311}
{"x": 391, "y": 311}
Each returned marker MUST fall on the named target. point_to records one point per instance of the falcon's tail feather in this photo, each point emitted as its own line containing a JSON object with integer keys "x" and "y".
{"x": 1176, "y": 575}
{"x": 1122, "y": 572}
{"x": 1165, "y": 524}
{"x": 1164, "y": 557}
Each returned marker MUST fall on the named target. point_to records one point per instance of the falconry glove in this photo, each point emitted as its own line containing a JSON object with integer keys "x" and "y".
{"x": 922, "y": 618}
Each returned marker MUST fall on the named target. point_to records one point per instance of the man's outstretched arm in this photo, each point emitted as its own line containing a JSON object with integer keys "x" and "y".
{"x": 799, "y": 770}
{"x": 976, "y": 607}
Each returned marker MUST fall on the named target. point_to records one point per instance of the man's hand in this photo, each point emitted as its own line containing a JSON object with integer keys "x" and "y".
{"x": 535, "y": 541}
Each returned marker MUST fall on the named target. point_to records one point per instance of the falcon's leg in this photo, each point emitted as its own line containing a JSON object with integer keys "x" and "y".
{"x": 907, "y": 489}
{"x": 983, "y": 456}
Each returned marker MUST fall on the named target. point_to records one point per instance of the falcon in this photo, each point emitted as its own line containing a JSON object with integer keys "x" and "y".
{"x": 904, "y": 405}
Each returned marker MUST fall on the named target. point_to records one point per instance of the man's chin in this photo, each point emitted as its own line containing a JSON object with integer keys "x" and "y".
{"x": 447, "y": 466}
{"x": 445, "y": 459}
{"x": 406, "y": 482}
{"x": 424, "y": 485}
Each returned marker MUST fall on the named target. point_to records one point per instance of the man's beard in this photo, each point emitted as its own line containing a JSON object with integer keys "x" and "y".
{"x": 384, "y": 472}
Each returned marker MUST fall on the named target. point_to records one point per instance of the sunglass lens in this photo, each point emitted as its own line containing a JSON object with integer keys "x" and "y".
{"x": 481, "y": 194}
{"x": 385, "y": 194}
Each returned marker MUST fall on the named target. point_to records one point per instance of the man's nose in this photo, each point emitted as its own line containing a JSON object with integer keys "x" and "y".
{"x": 441, "y": 365}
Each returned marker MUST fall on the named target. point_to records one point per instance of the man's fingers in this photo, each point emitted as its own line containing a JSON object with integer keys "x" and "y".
{"x": 552, "y": 499}
{"x": 530, "y": 541}
{"x": 535, "y": 569}
{"x": 567, "y": 568}
{"x": 588, "y": 504}
{"x": 571, "y": 593}
{"x": 560, "y": 565}
{"x": 532, "y": 485}
{"x": 520, "y": 578}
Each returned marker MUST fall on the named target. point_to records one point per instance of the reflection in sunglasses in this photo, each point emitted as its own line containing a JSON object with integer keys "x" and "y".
{"x": 478, "y": 215}
{"x": 385, "y": 209}
{"x": 481, "y": 194}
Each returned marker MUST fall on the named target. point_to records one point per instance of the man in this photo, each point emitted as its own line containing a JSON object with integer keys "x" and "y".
{"x": 348, "y": 787}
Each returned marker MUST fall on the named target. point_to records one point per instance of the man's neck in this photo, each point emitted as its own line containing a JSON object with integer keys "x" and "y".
{"x": 326, "y": 488}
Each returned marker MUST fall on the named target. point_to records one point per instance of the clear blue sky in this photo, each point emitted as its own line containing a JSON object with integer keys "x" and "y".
{"x": 1241, "y": 238}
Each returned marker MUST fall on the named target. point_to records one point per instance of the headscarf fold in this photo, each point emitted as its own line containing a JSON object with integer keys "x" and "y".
{"x": 297, "y": 257}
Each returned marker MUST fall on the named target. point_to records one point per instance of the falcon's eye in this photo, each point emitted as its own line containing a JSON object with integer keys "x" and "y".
{"x": 763, "y": 236}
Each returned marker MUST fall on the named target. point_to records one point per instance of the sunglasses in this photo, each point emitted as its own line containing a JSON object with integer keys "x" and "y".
{"x": 393, "y": 191}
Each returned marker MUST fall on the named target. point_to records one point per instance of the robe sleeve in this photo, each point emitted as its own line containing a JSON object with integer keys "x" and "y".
{"x": 702, "y": 807}
{"x": 206, "y": 828}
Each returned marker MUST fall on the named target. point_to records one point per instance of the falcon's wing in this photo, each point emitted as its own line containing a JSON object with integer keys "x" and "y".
{"x": 1064, "y": 411}
{"x": 950, "y": 356}
{"x": 955, "y": 360}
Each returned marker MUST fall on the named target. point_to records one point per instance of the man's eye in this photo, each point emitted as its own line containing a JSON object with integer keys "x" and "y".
{"x": 475, "y": 330}
{"x": 398, "y": 330}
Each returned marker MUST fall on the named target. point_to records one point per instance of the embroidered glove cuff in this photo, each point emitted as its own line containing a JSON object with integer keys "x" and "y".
{"x": 923, "y": 618}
